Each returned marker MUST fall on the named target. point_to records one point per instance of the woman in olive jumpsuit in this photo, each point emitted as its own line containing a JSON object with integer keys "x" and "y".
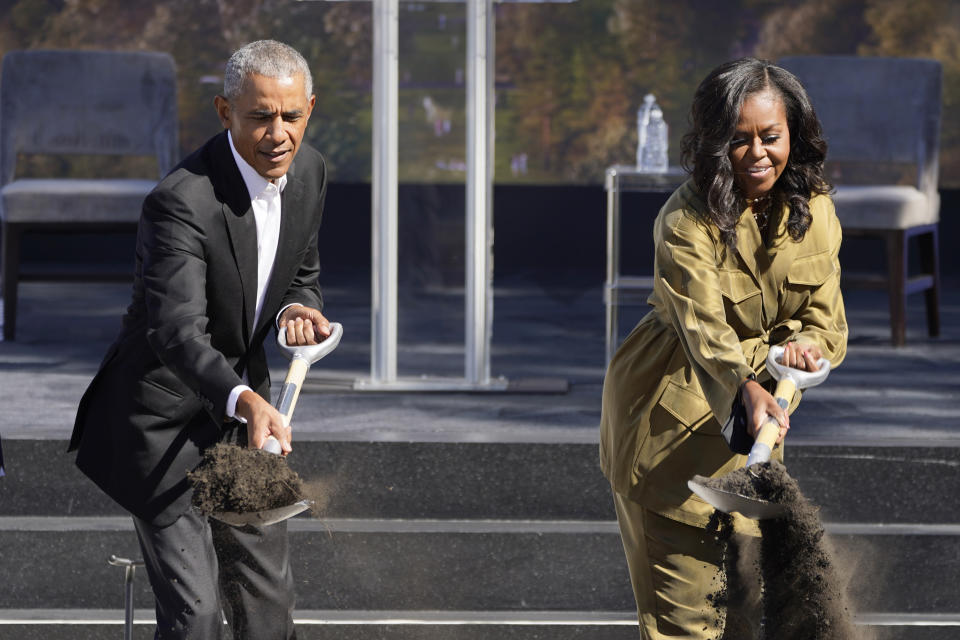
{"x": 746, "y": 258}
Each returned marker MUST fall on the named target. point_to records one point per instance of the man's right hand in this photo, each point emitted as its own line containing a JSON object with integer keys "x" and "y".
{"x": 263, "y": 420}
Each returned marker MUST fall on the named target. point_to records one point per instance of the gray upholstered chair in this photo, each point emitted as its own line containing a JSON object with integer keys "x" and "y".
{"x": 881, "y": 117}
{"x": 78, "y": 102}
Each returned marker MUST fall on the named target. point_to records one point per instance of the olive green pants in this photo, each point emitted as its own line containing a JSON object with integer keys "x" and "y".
{"x": 675, "y": 570}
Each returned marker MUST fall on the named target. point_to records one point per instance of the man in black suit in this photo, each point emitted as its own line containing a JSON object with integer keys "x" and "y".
{"x": 226, "y": 252}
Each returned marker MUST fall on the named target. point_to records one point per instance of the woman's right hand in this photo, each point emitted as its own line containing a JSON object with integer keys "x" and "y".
{"x": 801, "y": 356}
{"x": 759, "y": 404}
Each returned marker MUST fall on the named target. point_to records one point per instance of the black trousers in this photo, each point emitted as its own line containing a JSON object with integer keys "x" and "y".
{"x": 199, "y": 566}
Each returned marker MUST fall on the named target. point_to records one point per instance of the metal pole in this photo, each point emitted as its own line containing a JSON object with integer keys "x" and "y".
{"x": 611, "y": 291}
{"x": 479, "y": 228}
{"x": 128, "y": 574}
{"x": 383, "y": 339}
{"x": 129, "y": 570}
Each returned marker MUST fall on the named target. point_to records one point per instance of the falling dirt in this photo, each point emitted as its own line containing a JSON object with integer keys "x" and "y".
{"x": 802, "y": 594}
{"x": 737, "y": 602}
{"x": 236, "y": 479}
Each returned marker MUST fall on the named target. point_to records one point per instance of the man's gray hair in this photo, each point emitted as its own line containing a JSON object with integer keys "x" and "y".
{"x": 266, "y": 58}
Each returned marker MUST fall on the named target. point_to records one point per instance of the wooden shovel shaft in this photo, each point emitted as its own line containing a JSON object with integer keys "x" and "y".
{"x": 287, "y": 400}
{"x": 290, "y": 391}
{"x": 770, "y": 431}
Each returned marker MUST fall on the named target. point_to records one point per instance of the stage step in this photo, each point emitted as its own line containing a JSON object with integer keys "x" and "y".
{"x": 96, "y": 624}
{"x": 459, "y": 565}
{"x": 514, "y": 480}
{"x": 418, "y": 533}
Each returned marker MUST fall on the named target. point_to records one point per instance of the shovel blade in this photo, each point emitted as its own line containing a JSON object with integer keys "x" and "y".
{"x": 728, "y": 502}
{"x": 263, "y": 518}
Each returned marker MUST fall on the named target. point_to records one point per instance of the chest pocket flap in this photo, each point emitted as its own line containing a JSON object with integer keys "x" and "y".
{"x": 812, "y": 271}
{"x": 688, "y": 408}
{"x": 737, "y": 286}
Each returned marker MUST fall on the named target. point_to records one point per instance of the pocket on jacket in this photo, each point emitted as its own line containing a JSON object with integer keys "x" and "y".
{"x": 156, "y": 398}
{"x": 812, "y": 271}
{"x": 742, "y": 302}
{"x": 689, "y": 408}
{"x": 737, "y": 286}
{"x": 683, "y": 440}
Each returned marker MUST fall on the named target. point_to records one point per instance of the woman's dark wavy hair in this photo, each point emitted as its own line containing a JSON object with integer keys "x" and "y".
{"x": 713, "y": 120}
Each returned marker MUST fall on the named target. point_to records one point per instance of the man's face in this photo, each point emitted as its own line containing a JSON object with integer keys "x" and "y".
{"x": 267, "y": 121}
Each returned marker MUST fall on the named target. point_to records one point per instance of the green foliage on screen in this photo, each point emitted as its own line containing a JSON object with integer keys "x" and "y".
{"x": 569, "y": 77}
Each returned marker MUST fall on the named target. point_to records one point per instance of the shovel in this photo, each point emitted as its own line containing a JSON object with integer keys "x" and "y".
{"x": 301, "y": 357}
{"x": 788, "y": 381}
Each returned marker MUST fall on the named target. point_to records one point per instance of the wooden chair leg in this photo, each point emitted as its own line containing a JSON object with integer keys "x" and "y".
{"x": 897, "y": 285}
{"x": 9, "y": 276}
{"x": 930, "y": 263}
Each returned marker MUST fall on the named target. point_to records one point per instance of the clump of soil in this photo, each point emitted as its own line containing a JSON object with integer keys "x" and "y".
{"x": 235, "y": 479}
{"x": 802, "y": 594}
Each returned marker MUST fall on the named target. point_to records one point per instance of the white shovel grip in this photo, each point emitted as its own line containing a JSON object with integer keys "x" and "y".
{"x": 301, "y": 357}
{"x": 272, "y": 445}
{"x": 803, "y": 379}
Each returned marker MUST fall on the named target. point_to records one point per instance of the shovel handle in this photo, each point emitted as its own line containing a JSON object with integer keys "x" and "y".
{"x": 767, "y": 438}
{"x": 300, "y": 360}
{"x": 288, "y": 397}
{"x": 291, "y": 387}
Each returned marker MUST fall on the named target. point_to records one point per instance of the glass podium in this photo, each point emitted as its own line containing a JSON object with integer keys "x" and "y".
{"x": 621, "y": 288}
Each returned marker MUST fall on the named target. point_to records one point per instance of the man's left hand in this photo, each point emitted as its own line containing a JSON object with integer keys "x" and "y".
{"x": 304, "y": 325}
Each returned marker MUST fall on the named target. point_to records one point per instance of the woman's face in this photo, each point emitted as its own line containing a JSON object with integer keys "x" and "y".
{"x": 760, "y": 146}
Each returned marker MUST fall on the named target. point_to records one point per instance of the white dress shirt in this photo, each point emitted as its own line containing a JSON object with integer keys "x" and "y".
{"x": 265, "y": 202}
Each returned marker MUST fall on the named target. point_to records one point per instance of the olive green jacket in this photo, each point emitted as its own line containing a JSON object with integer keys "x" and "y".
{"x": 716, "y": 311}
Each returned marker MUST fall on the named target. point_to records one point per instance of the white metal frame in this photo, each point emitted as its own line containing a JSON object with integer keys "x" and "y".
{"x": 479, "y": 219}
{"x": 480, "y": 150}
{"x": 383, "y": 301}
{"x": 479, "y": 207}
{"x": 619, "y": 289}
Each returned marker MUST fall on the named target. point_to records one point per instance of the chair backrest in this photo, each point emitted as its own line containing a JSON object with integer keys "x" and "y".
{"x": 876, "y": 111}
{"x": 88, "y": 102}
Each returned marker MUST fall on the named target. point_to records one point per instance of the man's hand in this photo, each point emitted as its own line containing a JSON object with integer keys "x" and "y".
{"x": 304, "y": 325}
{"x": 262, "y": 421}
{"x": 759, "y": 404}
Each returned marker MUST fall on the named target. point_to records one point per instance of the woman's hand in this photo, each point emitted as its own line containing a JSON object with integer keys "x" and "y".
{"x": 759, "y": 404}
{"x": 801, "y": 356}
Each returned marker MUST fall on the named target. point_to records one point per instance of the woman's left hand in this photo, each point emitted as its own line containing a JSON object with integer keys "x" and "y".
{"x": 801, "y": 356}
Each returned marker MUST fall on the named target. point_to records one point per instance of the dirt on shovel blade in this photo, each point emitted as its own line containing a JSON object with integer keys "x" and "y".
{"x": 235, "y": 479}
{"x": 788, "y": 584}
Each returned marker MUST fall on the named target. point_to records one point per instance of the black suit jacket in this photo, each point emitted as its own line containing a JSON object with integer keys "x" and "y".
{"x": 159, "y": 398}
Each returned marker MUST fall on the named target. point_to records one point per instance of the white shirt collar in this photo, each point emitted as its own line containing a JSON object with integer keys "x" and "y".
{"x": 254, "y": 181}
